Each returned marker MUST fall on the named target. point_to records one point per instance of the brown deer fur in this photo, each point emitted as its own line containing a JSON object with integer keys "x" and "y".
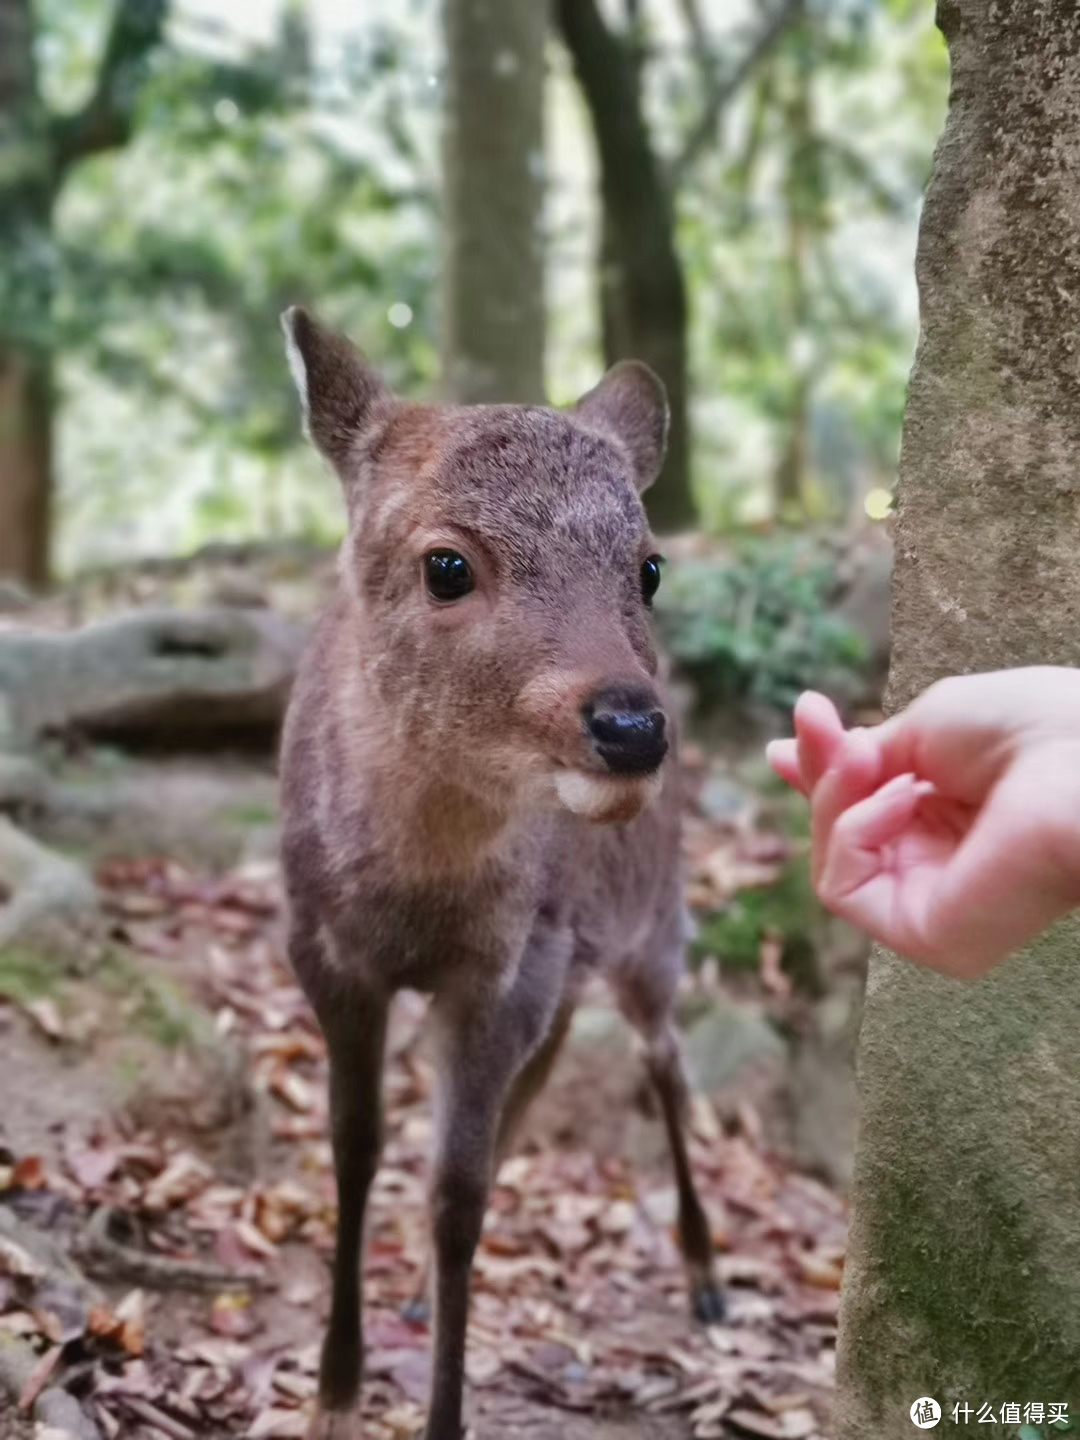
{"x": 440, "y": 787}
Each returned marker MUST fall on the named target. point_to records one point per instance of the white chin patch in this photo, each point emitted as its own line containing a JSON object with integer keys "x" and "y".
{"x": 606, "y": 797}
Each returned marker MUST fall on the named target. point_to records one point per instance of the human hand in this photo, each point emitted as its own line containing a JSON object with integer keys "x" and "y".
{"x": 952, "y": 831}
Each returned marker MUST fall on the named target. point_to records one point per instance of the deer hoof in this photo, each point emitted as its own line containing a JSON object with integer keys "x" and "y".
{"x": 708, "y": 1303}
{"x": 335, "y": 1425}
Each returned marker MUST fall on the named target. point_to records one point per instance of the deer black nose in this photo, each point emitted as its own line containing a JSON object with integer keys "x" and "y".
{"x": 627, "y": 729}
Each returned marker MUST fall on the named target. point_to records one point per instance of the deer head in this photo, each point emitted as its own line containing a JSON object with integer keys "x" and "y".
{"x": 499, "y": 570}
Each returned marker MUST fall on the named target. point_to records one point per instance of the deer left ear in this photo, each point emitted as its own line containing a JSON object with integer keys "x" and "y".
{"x": 339, "y": 390}
{"x": 630, "y": 406}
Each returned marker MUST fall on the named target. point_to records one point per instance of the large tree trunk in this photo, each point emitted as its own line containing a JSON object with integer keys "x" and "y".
{"x": 963, "y": 1276}
{"x": 643, "y": 289}
{"x": 493, "y": 155}
{"x": 26, "y": 275}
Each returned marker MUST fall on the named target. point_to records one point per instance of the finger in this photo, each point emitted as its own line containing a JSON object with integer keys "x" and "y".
{"x": 976, "y": 907}
{"x": 997, "y": 891}
{"x": 852, "y": 777}
{"x": 861, "y": 834}
{"x": 819, "y": 732}
{"x": 783, "y": 756}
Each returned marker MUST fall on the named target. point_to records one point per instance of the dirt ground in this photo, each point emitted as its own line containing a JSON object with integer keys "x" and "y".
{"x": 167, "y": 1205}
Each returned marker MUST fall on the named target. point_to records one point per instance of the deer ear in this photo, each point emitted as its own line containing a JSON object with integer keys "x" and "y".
{"x": 630, "y": 406}
{"x": 339, "y": 390}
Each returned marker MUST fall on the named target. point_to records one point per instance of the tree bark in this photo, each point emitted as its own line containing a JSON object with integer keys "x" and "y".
{"x": 26, "y": 483}
{"x": 791, "y": 473}
{"x": 493, "y": 158}
{"x": 644, "y": 310}
{"x": 963, "y": 1276}
{"x": 26, "y": 284}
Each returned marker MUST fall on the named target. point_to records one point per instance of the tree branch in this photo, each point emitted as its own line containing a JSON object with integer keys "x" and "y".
{"x": 691, "y": 13}
{"x": 105, "y": 122}
{"x": 608, "y": 78}
{"x": 722, "y": 89}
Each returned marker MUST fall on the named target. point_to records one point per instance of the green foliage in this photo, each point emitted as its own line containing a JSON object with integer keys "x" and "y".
{"x": 286, "y": 158}
{"x": 262, "y": 173}
{"x": 159, "y": 1009}
{"x": 156, "y": 1005}
{"x": 250, "y": 814}
{"x": 166, "y": 1016}
{"x": 757, "y": 627}
{"x": 787, "y": 911}
{"x": 796, "y": 240}
{"x": 26, "y": 974}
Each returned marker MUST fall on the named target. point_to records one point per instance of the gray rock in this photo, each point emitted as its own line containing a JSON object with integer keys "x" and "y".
{"x": 726, "y": 1040}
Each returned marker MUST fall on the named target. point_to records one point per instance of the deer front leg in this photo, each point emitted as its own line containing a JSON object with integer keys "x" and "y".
{"x": 526, "y": 1085}
{"x": 473, "y": 1084}
{"x": 354, "y": 1025}
{"x": 484, "y": 1045}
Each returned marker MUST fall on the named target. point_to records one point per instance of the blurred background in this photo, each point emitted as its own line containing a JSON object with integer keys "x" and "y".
{"x": 495, "y": 199}
{"x": 730, "y": 187}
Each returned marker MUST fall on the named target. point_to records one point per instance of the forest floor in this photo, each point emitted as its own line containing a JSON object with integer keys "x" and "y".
{"x": 166, "y": 1194}
{"x": 167, "y": 1206}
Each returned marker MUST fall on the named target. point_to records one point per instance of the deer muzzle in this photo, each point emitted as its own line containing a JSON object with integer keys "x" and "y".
{"x": 627, "y": 730}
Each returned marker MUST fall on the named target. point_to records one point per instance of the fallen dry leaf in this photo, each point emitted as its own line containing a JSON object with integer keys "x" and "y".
{"x": 822, "y": 1271}
{"x": 39, "y": 1377}
{"x": 15, "y": 1260}
{"x": 278, "y": 1425}
{"x": 130, "y": 1315}
{"x": 46, "y": 1016}
{"x": 91, "y": 1166}
{"x": 232, "y": 1314}
{"x": 773, "y": 978}
{"x": 183, "y": 1177}
{"x": 28, "y": 1173}
{"x": 294, "y": 1090}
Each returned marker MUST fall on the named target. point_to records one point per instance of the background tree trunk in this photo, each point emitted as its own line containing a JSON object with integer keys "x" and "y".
{"x": 25, "y": 467}
{"x": 642, "y": 287}
{"x": 36, "y": 150}
{"x": 963, "y": 1274}
{"x": 802, "y": 202}
{"x": 26, "y": 279}
{"x": 493, "y": 295}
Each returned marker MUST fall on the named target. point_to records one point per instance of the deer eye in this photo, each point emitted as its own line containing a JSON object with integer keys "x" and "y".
{"x": 650, "y": 578}
{"x": 447, "y": 575}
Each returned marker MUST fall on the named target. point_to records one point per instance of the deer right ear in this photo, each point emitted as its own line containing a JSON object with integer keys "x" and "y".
{"x": 339, "y": 390}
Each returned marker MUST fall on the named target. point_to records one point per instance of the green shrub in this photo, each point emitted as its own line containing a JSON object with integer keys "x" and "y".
{"x": 788, "y": 909}
{"x": 757, "y": 627}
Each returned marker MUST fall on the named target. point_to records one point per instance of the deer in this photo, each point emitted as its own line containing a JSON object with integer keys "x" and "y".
{"x": 480, "y": 795}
